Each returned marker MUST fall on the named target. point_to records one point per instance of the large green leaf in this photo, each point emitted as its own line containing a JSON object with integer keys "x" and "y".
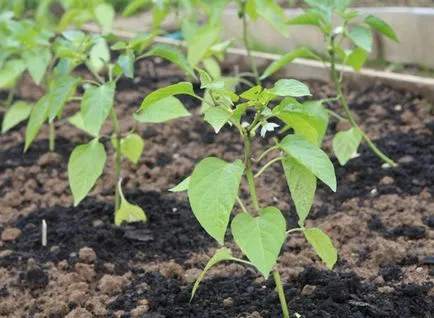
{"x": 104, "y": 14}
{"x": 201, "y": 42}
{"x": 323, "y": 246}
{"x": 77, "y": 121}
{"x": 212, "y": 192}
{"x": 381, "y": 26}
{"x": 357, "y": 58}
{"x": 10, "y": 72}
{"x": 96, "y": 106}
{"x": 37, "y": 61}
{"x": 128, "y": 212}
{"x": 18, "y": 112}
{"x": 61, "y": 89}
{"x": 346, "y": 143}
{"x": 38, "y": 116}
{"x": 217, "y": 117}
{"x": 260, "y": 238}
{"x": 288, "y": 58}
{"x": 311, "y": 157}
{"x": 172, "y": 54}
{"x": 361, "y": 37}
{"x": 302, "y": 185}
{"x": 85, "y": 166}
{"x": 171, "y": 90}
{"x": 132, "y": 147}
{"x": 290, "y": 87}
{"x": 162, "y": 110}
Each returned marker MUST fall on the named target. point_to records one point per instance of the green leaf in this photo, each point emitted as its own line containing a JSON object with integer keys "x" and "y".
{"x": 77, "y": 121}
{"x": 212, "y": 67}
{"x": 222, "y": 254}
{"x": 217, "y": 117}
{"x": 61, "y": 89}
{"x": 302, "y": 185}
{"x": 126, "y": 62}
{"x": 99, "y": 55}
{"x": 96, "y": 105}
{"x": 382, "y": 27}
{"x": 361, "y": 37}
{"x": 38, "y": 116}
{"x": 271, "y": 12}
{"x": 311, "y": 157}
{"x": 172, "y": 54}
{"x": 85, "y": 166}
{"x": 128, "y": 212}
{"x": 346, "y": 143}
{"x": 357, "y": 59}
{"x": 288, "y": 58}
{"x": 132, "y": 147}
{"x": 290, "y": 87}
{"x": 104, "y": 14}
{"x": 37, "y": 61}
{"x": 307, "y": 18}
{"x": 320, "y": 116}
{"x": 323, "y": 246}
{"x": 10, "y": 72}
{"x": 161, "y": 111}
{"x": 171, "y": 90}
{"x": 201, "y": 42}
{"x": 134, "y": 6}
{"x": 252, "y": 93}
{"x": 212, "y": 192}
{"x": 183, "y": 186}
{"x": 260, "y": 238}
{"x": 18, "y": 112}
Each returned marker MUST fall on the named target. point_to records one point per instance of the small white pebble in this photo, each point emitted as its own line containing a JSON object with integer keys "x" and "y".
{"x": 264, "y": 287}
{"x": 275, "y": 199}
{"x": 386, "y": 166}
{"x": 176, "y": 156}
{"x": 374, "y": 192}
{"x": 398, "y": 108}
{"x": 174, "y": 209}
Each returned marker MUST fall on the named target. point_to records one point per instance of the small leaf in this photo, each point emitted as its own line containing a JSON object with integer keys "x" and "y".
{"x": 310, "y": 17}
{"x": 201, "y": 42}
{"x": 134, "y": 6}
{"x": 357, "y": 59}
{"x": 10, "y": 72}
{"x": 252, "y": 93}
{"x": 260, "y": 238}
{"x": 105, "y": 14}
{"x": 222, "y": 254}
{"x": 61, "y": 89}
{"x": 77, "y": 121}
{"x": 171, "y": 90}
{"x": 311, "y": 157}
{"x": 302, "y": 185}
{"x": 382, "y": 27}
{"x": 217, "y": 117}
{"x": 99, "y": 55}
{"x": 37, "y": 62}
{"x": 126, "y": 62}
{"x": 85, "y": 166}
{"x": 161, "y": 111}
{"x": 271, "y": 12}
{"x": 362, "y": 37}
{"x": 128, "y": 212}
{"x": 183, "y": 186}
{"x": 212, "y": 192}
{"x": 38, "y": 116}
{"x": 323, "y": 246}
{"x": 18, "y": 112}
{"x": 346, "y": 143}
{"x": 96, "y": 105}
{"x": 290, "y": 87}
{"x": 132, "y": 147}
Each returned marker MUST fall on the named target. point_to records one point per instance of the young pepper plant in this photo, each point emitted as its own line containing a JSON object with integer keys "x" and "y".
{"x": 350, "y": 29}
{"x": 259, "y": 231}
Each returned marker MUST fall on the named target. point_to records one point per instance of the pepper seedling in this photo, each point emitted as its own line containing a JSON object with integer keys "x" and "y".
{"x": 322, "y": 15}
{"x": 213, "y": 187}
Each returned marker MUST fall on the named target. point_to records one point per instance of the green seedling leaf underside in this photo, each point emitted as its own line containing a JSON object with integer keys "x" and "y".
{"x": 10, "y": 72}
{"x": 183, "y": 186}
{"x": 77, "y": 121}
{"x": 185, "y": 88}
{"x": 222, "y": 254}
{"x": 85, "y": 166}
{"x": 132, "y": 147}
{"x": 161, "y": 111}
{"x": 134, "y": 6}
{"x": 17, "y": 113}
{"x": 212, "y": 67}
{"x": 311, "y": 157}
{"x": 61, "y": 89}
{"x": 288, "y": 58}
{"x": 382, "y": 27}
{"x": 302, "y": 185}
{"x": 99, "y": 55}
{"x": 38, "y": 116}
{"x": 323, "y": 246}
{"x": 212, "y": 192}
{"x": 290, "y": 87}
{"x": 128, "y": 212}
{"x": 217, "y": 117}
{"x": 357, "y": 59}
{"x": 260, "y": 238}
{"x": 201, "y": 42}
{"x": 126, "y": 63}
{"x": 37, "y": 61}
{"x": 346, "y": 143}
{"x": 104, "y": 14}
{"x": 361, "y": 37}
{"x": 172, "y": 54}
{"x": 96, "y": 106}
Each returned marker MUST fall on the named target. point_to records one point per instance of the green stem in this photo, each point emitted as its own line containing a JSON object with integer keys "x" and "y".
{"x": 281, "y": 293}
{"x": 52, "y": 137}
{"x": 117, "y": 159}
{"x": 249, "y": 172}
{"x": 242, "y": 205}
{"x": 344, "y": 103}
{"x": 266, "y": 152}
{"x": 10, "y": 98}
{"x": 267, "y": 165}
{"x": 247, "y": 45}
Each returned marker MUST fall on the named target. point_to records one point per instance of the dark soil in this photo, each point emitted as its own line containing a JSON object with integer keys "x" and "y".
{"x": 381, "y": 220}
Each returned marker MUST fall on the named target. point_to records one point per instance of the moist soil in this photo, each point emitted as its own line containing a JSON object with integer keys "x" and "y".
{"x": 381, "y": 219}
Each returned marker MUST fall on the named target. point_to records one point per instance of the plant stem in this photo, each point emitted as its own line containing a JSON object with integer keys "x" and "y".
{"x": 118, "y": 155}
{"x": 247, "y": 45}
{"x": 349, "y": 115}
{"x": 10, "y": 98}
{"x": 281, "y": 294}
{"x": 52, "y": 138}
{"x": 249, "y": 173}
{"x": 267, "y": 165}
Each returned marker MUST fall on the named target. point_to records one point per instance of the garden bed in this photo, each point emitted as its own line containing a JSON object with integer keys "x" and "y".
{"x": 381, "y": 220}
